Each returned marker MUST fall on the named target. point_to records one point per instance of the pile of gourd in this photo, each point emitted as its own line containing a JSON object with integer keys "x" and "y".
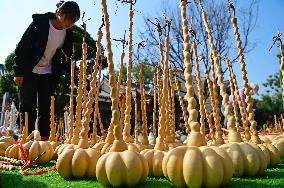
{"x": 118, "y": 159}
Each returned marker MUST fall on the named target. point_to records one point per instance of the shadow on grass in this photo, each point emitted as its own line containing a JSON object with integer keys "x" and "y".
{"x": 156, "y": 182}
{"x": 16, "y": 180}
{"x": 273, "y": 177}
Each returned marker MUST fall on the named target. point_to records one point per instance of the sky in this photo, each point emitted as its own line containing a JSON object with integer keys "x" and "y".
{"x": 16, "y": 16}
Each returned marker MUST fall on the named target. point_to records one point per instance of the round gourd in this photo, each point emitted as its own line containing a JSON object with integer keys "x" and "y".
{"x": 5, "y": 142}
{"x": 247, "y": 160}
{"x": 127, "y": 168}
{"x": 54, "y": 145}
{"x": 135, "y": 147}
{"x": 78, "y": 163}
{"x": 59, "y": 149}
{"x": 262, "y": 156}
{"x": 99, "y": 146}
{"x": 266, "y": 153}
{"x": 12, "y": 151}
{"x": 40, "y": 150}
{"x": 198, "y": 166}
{"x": 280, "y": 146}
{"x": 274, "y": 154}
{"x": 154, "y": 159}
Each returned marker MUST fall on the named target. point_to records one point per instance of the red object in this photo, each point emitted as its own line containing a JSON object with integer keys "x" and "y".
{"x": 44, "y": 138}
{"x": 40, "y": 172}
{"x": 24, "y": 154}
{"x": 28, "y": 163}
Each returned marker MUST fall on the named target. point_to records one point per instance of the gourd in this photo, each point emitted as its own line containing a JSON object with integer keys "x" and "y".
{"x": 198, "y": 166}
{"x": 273, "y": 152}
{"x": 77, "y": 163}
{"x": 254, "y": 137}
{"x": 42, "y": 151}
{"x": 247, "y": 159}
{"x": 280, "y": 146}
{"x": 155, "y": 156}
{"x": 5, "y": 142}
{"x": 126, "y": 131}
{"x": 154, "y": 159}
{"x": 120, "y": 166}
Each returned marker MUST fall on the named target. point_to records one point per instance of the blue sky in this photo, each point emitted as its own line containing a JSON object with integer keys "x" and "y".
{"x": 16, "y": 16}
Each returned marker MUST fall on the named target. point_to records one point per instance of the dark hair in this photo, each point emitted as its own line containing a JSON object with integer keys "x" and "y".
{"x": 70, "y": 9}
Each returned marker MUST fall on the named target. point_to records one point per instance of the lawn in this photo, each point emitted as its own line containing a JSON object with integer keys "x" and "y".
{"x": 273, "y": 177}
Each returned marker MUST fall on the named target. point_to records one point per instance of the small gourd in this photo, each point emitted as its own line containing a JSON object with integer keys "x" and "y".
{"x": 247, "y": 160}
{"x": 122, "y": 168}
{"x": 77, "y": 163}
{"x": 198, "y": 166}
{"x": 280, "y": 146}
{"x": 5, "y": 142}
{"x": 38, "y": 150}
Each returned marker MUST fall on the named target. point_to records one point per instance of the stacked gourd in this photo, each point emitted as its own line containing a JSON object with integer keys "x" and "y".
{"x": 155, "y": 156}
{"x": 77, "y": 161}
{"x": 37, "y": 151}
{"x": 192, "y": 165}
{"x": 278, "y": 141}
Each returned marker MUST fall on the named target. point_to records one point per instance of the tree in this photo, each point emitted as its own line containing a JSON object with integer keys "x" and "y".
{"x": 272, "y": 102}
{"x": 219, "y": 20}
{"x": 147, "y": 76}
{"x": 63, "y": 88}
{"x": 6, "y": 81}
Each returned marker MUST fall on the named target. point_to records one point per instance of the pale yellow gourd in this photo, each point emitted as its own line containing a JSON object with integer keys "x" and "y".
{"x": 195, "y": 137}
{"x": 119, "y": 167}
{"x": 247, "y": 159}
{"x": 77, "y": 163}
{"x": 155, "y": 156}
{"x": 37, "y": 151}
{"x": 126, "y": 131}
{"x": 52, "y": 139}
{"x": 126, "y": 168}
{"x": 154, "y": 110}
{"x": 154, "y": 159}
{"x": 279, "y": 144}
{"x": 13, "y": 150}
{"x": 42, "y": 151}
{"x": 59, "y": 149}
{"x": 71, "y": 110}
{"x": 198, "y": 166}
{"x": 273, "y": 152}
{"x": 5, "y": 142}
{"x": 240, "y": 105}
{"x": 254, "y": 137}
{"x": 200, "y": 89}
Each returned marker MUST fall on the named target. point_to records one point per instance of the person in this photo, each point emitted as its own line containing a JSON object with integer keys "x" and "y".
{"x": 253, "y": 90}
{"x": 41, "y": 56}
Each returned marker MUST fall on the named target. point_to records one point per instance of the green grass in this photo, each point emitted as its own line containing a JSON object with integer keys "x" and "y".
{"x": 272, "y": 178}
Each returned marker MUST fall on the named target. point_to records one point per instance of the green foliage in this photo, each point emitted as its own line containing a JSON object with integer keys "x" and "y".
{"x": 78, "y": 38}
{"x": 7, "y": 83}
{"x": 124, "y": 73}
{"x": 272, "y": 102}
{"x": 147, "y": 74}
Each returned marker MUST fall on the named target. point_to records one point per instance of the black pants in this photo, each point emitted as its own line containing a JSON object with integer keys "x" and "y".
{"x": 34, "y": 97}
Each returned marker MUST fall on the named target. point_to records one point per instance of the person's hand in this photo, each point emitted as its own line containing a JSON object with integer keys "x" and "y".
{"x": 19, "y": 81}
